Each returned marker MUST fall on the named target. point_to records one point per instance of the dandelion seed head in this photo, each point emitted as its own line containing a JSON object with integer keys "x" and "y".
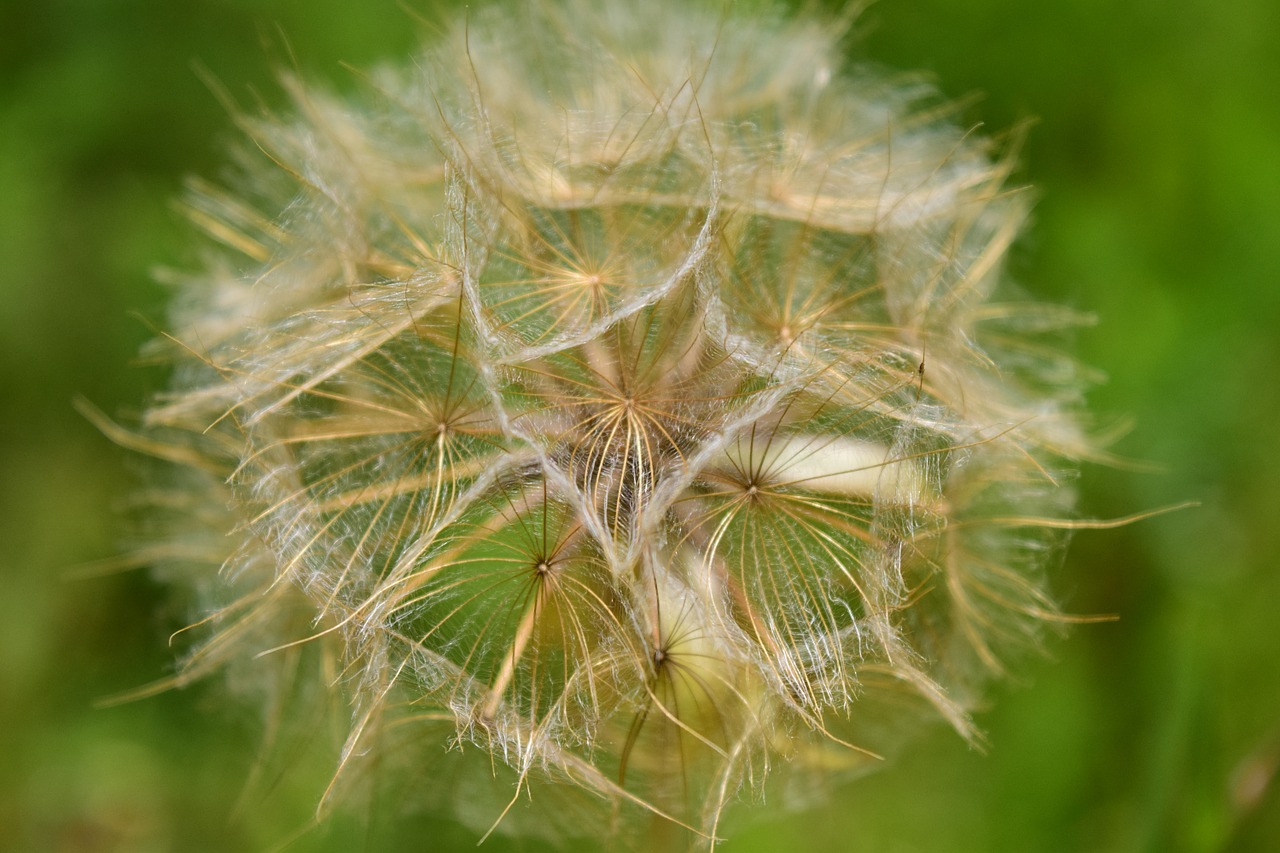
{"x": 628, "y": 395}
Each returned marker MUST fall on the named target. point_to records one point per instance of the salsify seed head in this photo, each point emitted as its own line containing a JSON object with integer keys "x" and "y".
{"x": 628, "y": 394}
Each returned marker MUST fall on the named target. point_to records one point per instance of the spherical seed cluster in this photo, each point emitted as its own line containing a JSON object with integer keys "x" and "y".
{"x": 619, "y": 391}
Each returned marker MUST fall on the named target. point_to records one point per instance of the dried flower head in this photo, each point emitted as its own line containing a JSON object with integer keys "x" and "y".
{"x": 623, "y": 393}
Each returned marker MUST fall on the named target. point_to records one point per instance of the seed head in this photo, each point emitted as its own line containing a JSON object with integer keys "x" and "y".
{"x": 624, "y": 393}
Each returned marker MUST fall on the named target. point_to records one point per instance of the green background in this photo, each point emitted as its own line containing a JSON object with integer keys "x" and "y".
{"x": 1156, "y": 157}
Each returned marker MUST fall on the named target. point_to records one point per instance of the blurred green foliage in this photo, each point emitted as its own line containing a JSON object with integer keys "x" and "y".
{"x": 1156, "y": 157}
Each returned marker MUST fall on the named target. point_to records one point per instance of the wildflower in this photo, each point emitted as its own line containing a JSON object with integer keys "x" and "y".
{"x": 627, "y": 394}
